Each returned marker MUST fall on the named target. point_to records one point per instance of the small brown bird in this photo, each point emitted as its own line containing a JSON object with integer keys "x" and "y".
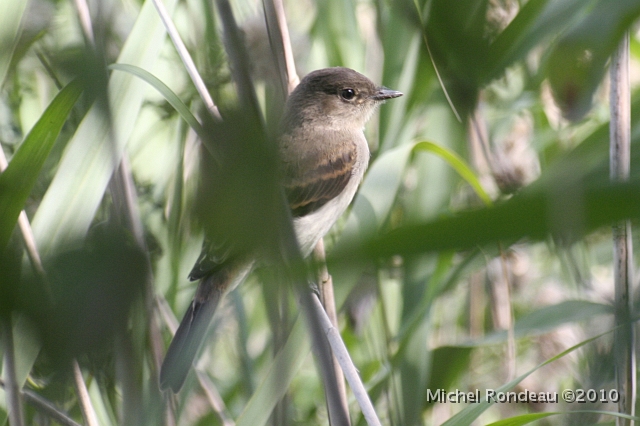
{"x": 324, "y": 155}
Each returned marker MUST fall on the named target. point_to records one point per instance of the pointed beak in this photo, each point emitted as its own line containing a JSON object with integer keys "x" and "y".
{"x": 383, "y": 94}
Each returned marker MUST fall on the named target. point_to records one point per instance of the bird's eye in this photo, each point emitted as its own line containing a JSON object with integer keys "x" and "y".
{"x": 348, "y": 94}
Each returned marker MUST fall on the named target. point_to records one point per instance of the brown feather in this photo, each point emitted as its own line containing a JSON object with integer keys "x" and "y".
{"x": 308, "y": 190}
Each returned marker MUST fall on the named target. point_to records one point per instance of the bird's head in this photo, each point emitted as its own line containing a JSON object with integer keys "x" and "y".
{"x": 335, "y": 97}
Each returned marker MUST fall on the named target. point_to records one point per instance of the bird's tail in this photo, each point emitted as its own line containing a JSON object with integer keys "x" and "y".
{"x": 191, "y": 332}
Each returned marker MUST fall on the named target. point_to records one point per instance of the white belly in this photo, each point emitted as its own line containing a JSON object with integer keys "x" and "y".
{"x": 310, "y": 228}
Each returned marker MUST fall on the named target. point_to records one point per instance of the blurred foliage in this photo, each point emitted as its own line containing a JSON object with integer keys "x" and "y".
{"x": 516, "y": 194}
{"x": 246, "y": 164}
{"x": 85, "y": 303}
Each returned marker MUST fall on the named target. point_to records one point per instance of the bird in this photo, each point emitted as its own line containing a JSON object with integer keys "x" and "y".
{"x": 323, "y": 155}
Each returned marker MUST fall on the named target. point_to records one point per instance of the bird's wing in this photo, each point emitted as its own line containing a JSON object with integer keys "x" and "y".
{"x": 310, "y": 186}
{"x": 213, "y": 257}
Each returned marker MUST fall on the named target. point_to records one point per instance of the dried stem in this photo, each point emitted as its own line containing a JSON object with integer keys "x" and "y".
{"x": 291, "y": 255}
{"x": 281, "y": 43}
{"x": 215, "y": 399}
{"x": 342, "y": 355}
{"x": 186, "y": 58}
{"x": 88, "y": 413}
{"x": 325, "y": 284}
{"x": 508, "y": 313}
{"x": 12, "y": 388}
{"x": 85, "y": 20}
{"x": 25, "y": 231}
{"x": 283, "y": 51}
{"x": 620, "y": 152}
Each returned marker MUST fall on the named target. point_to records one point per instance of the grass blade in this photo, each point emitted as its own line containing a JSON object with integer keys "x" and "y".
{"x": 276, "y": 382}
{"x": 168, "y": 94}
{"x": 20, "y": 176}
{"x": 90, "y": 157}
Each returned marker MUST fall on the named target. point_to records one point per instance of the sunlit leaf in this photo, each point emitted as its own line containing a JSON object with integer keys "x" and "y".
{"x": 90, "y": 157}
{"x": 10, "y": 18}
{"x": 458, "y": 165}
{"x": 168, "y": 94}
{"x": 20, "y": 176}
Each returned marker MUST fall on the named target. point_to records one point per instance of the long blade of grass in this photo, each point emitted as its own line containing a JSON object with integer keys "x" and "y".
{"x": 17, "y": 181}
{"x": 10, "y": 19}
{"x": 458, "y": 164}
{"x": 377, "y": 195}
{"x": 472, "y": 412}
{"x": 90, "y": 157}
{"x": 547, "y": 318}
{"x": 278, "y": 378}
{"x": 523, "y": 216}
{"x": 525, "y": 419}
{"x": 165, "y": 91}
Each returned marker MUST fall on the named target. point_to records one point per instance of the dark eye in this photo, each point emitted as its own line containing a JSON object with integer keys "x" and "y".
{"x": 347, "y": 94}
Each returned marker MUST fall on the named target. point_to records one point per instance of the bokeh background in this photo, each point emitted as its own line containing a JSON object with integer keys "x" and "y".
{"x": 478, "y": 249}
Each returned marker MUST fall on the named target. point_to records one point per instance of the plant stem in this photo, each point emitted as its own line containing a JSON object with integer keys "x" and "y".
{"x": 619, "y": 161}
{"x": 12, "y": 389}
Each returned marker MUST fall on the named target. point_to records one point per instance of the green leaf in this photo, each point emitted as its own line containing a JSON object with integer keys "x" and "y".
{"x": 458, "y": 165}
{"x": 10, "y": 29}
{"x": 577, "y": 63}
{"x": 372, "y": 205}
{"x": 447, "y": 364}
{"x": 377, "y": 195}
{"x": 523, "y": 419}
{"x": 335, "y": 23}
{"x": 168, "y": 94}
{"x": 470, "y": 413}
{"x": 537, "y": 21}
{"x": 533, "y": 215}
{"x": 21, "y": 175}
{"x": 459, "y": 47}
{"x": 279, "y": 376}
{"x": 69, "y": 206}
{"x": 549, "y": 318}
{"x": 532, "y": 417}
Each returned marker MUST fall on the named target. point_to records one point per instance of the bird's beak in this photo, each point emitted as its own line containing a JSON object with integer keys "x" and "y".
{"x": 383, "y": 94}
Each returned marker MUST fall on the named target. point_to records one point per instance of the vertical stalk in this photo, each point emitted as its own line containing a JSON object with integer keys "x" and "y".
{"x": 325, "y": 284}
{"x": 12, "y": 388}
{"x": 281, "y": 47}
{"x": 619, "y": 162}
{"x": 84, "y": 400}
{"x": 186, "y": 58}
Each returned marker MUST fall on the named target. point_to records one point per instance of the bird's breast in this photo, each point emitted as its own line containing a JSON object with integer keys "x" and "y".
{"x": 313, "y": 226}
